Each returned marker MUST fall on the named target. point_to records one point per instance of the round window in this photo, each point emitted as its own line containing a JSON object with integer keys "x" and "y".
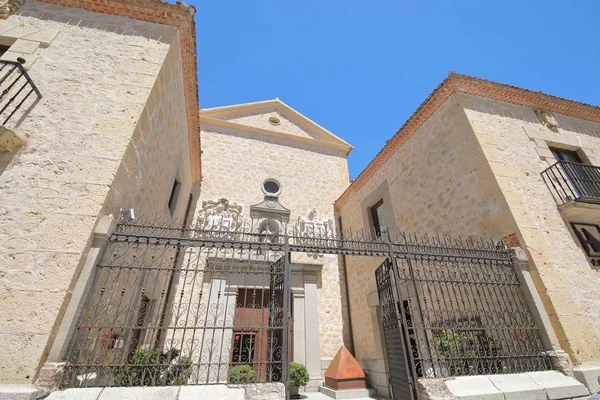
{"x": 274, "y": 120}
{"x": 271, "y": 187}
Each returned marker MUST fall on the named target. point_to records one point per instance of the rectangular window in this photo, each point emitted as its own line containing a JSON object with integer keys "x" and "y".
{"x": 378, "y": 218}
{"x": 174, "y": 196}
{"x": 244, "y": 345}
{"x": 566, "y": 155}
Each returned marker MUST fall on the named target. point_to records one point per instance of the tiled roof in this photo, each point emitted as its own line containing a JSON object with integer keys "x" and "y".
{"x": 457, "y": 83}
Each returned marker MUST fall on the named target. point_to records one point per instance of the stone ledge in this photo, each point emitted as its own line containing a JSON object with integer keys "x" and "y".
{"x": 18, "y": 392}
{"x": 518, "y": 386}
{"x": 347, "y": 394}
{"x": 589, "y": 375}
{"x": 473, "y": 388}
{"x": 261, "y": 391}
{"x": 558, "y": 386}
{"x": 543, "y": 385}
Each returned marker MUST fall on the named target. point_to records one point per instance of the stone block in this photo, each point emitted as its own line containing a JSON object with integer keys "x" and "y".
{"x": 473, "y": 388}
{"x": 9, "y": 141}
{"x": 20, "y": 355}
{"x": 76, "y": 394}
{"x": 518, "y": 387}
{"x": 211, "y": 392}
{"x": 25, "y": 46}
{"x": 347, "y": 393}
{"x": 30, "y": 59}
{"x": 139, "y": 393}
{"x": 264, "y": 391}
{"x": 18, "y": 392}
{"x": 44, "y": 37}
{"x": 557, "y": 385}
{"x": 589, "y": 375}
{"x": 20, "y": 31}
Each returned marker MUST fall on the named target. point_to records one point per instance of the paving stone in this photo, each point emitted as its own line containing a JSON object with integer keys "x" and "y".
{"x": 75, "y": 394}
{"x": 558, "y": 386}
{"x": 211, "y": 392}
{"x": 140, "y": 393}
{"x": 518, "y": 387}
{"x": 589, "y": 375}
{"x": 473, "y": 388}
{"x": 18, "y": 392}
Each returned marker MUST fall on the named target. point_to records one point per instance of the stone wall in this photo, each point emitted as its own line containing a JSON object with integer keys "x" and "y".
{"x": 235, "y": 164}
{"x": 515, "y": 143}
{"x": 95, "y": 77}
{"x": 157, "y": 153}
{"x": 436, "y": 183}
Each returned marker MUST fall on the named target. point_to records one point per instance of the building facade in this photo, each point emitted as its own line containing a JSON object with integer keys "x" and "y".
{"x": 474, "y": 161}
{"x": 116, "y": 125}
{"x": 245, "y": 260}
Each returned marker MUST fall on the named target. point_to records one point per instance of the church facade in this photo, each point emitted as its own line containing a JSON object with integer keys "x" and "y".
{"x": 134, "y": 225}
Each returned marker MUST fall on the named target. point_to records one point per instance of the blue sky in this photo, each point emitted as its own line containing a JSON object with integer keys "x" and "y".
{"x": 361, "y": 68}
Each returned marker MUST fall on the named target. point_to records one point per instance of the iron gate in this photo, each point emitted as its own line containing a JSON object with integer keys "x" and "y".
{"x": 209, "y": 305}
{"x": 455, "y": 311}
{"x": 163, "y": 311}
{"x": 398, "y": 354}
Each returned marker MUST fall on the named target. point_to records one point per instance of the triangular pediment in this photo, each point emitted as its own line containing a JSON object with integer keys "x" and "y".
{"x": 272, "y": 118}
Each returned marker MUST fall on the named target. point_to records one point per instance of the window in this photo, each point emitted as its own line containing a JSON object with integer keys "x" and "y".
{"x": 174, "y": 196}
{"x": 378, "y": 218}
{"x": 271, "y": 187}
{"x": 243, "y": 350}
{"x": 566, "y": 155}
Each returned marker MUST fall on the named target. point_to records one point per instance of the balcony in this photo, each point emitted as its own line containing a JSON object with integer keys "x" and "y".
{"x": 16, "y": 87}
{"x": 573, "y": 182}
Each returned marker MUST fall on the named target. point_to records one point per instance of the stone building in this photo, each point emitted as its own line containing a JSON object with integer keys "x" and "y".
{"x": 479, "y": 159}
{"x": 116, "y": 127}
{"x": 103, "y": 202}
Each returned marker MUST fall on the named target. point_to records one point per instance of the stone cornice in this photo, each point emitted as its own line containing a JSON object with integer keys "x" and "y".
{"x": 284, "y": 109}
{"x": 209, "y": 121}
{"x": 179, "y": 16}
{"x": 457, "y": 83}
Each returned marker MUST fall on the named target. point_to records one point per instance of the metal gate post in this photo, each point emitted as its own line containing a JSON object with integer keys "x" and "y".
{"x": 287, "y": 292}
{"x": 409, "y": 361}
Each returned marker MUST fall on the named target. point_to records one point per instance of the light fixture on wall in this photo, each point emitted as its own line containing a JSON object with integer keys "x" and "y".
{"x": 127, "y": 215}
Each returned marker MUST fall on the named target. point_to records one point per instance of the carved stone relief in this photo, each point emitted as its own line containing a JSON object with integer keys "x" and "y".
{"x": 313, "y": 226}
{"x": 220, "y": 215}
{"x": 547, "y": 119}
{"x": 9, "y": 7}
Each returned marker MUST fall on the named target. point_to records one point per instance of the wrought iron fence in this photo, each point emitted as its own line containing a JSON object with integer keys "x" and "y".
{"x": 159, "y": 314}
{"x": 210, "y": 303}
{"x": 460, "y": 316}
{"x": 569, "y": 181}
{"x": 16, "y": 87}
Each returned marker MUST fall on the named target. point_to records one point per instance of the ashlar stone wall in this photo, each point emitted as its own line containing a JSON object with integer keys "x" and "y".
{"x": 516, "y": 145}
{"x": 437, "y": 182}
{"x": 234, "y": 166}
{"x": 95, "y": 77}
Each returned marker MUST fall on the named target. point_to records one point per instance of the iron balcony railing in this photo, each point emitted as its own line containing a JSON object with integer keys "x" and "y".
{"x": 570, "y": 181}
{"x": 16, "y": 87}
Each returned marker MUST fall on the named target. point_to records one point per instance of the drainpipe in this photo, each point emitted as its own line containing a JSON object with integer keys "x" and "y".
{"x": 347, "y": 289}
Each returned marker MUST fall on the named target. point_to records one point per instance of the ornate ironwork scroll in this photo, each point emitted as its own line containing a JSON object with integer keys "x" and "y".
{"x": 210, "y": 303}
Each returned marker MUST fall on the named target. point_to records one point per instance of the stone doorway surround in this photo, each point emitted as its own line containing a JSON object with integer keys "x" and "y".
{"x": 305, "y": 342}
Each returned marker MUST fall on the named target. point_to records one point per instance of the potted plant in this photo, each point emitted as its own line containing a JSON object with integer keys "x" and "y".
{"x": 241, "y": 374}
{"x": 298, "y": 377}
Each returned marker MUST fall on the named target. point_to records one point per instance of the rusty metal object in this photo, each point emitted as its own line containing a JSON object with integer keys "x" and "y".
{"x": 345, "y": 372}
